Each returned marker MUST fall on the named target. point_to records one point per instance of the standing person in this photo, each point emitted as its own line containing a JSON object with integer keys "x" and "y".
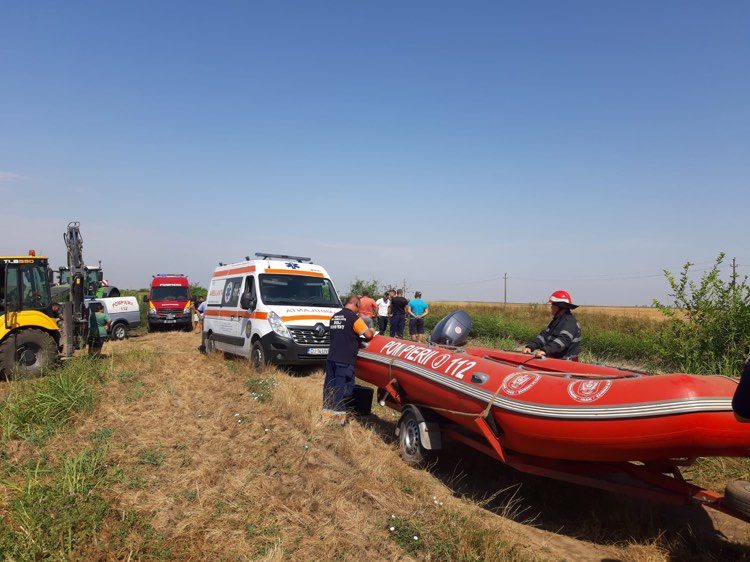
{"x": 99, "y": 323}
{"x": 561, "y": 338}
{"x": 198, "y": 315}
{"x": 201, "y": 312}
{"x": 102, "y": 288}
{"x": 384, "y": 309}
{"x": 346, "y": 327}
{"x": 417, "y": 310}
{"x": 367, "y": 309}
{"x": 398, "y": 314}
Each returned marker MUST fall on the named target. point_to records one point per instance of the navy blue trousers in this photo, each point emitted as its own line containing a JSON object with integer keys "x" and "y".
{"x": 397, "y": 325}
{"x": 338, "y": 386}
{"x": 741, "y": 399}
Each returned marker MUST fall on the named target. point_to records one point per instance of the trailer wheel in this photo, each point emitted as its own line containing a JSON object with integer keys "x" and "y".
{"x": 737, "y": 496}
{"x": 27, "y": 352}
{"x": 119, "y": 331}
{"x": 258, "y": 356}
{"x": 410, "y": 441}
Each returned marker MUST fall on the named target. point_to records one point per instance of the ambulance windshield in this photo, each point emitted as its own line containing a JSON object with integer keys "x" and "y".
{"x": 298, "y": 290}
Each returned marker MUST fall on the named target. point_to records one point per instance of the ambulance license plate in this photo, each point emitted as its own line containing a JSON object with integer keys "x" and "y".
{"x": 170, "y": 321}
{"x": 317, "y": 351}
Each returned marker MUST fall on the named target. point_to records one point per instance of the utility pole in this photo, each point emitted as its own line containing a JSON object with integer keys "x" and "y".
{"x": 734, "y": 273}
{"x": 505, "y": 288}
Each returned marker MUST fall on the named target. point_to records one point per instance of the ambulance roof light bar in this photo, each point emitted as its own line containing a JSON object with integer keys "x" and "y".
{"x": 169, "y": 275}
{"x": 265, "y": 255}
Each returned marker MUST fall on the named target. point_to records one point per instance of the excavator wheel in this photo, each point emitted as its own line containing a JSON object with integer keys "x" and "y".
{"x": 27, "y": 353}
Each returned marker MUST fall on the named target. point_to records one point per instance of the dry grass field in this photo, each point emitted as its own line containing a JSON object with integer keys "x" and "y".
{"x": 187, "y": 457}
{"x": 635, "y": 312}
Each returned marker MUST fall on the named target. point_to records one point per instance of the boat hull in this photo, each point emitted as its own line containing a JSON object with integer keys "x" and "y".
{"x": 564, "y": 410}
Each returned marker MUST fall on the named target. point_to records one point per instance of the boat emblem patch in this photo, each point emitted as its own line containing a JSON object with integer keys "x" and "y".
{"x": 518, "y": 383}
{"x": 588, "y": 390}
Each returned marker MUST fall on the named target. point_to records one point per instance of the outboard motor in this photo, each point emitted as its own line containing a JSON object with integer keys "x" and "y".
{"x": 452, "y": 330}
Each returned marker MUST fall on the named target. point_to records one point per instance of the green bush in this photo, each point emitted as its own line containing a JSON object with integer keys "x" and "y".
{"x": 708, "y": 328}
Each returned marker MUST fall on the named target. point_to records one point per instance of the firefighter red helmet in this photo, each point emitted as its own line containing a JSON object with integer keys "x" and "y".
{"x": 562, "y": 299}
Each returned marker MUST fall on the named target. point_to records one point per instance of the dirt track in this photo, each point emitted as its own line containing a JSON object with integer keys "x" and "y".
{"x": 251, "y": 480}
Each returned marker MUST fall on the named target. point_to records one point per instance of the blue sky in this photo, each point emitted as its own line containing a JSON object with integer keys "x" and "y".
{"x": 577, "y": 145}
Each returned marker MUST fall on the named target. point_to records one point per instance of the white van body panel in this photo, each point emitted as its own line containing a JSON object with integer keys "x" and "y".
{"x": 234, "y": 329}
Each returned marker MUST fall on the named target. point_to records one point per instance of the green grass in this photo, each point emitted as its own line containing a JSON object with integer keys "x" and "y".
{"x": 35, "y": 409}
{"x": 261, "y": 388}
{"x": 605, "y": 337}
{"x": 458, "y": 538}
{"x": 151, "y": 456}
{"x": 54, "y": 510}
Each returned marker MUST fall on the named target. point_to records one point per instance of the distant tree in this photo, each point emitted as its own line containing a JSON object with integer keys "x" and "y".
{"x": 196, "y": 290}
{"x": 359, "y": 286}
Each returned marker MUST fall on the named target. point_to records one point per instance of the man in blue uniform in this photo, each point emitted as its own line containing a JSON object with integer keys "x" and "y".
{"x": 346, "y": 327}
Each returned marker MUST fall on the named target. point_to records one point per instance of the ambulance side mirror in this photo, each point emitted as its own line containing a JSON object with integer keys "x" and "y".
{"x": 145, "y": 299}
{"x": 247, "y": 301}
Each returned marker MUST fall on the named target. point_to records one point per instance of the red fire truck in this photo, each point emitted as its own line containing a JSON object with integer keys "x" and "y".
{"x": 168, "y": 302}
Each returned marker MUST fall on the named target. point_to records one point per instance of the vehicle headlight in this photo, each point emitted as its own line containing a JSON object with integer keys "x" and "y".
{"x": 186, "y": 310}
{"x": 278, "y": 326}
{"x": 151, "y": 310}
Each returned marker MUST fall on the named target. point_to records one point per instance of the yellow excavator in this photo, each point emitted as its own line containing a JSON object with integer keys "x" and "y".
{"x": 29, "y": 333}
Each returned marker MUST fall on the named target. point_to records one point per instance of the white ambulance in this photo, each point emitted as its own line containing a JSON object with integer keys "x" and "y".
{"x": 272, "y": 309}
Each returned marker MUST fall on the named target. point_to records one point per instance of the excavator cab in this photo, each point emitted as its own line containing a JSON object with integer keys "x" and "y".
{"x": 29, "y": 334}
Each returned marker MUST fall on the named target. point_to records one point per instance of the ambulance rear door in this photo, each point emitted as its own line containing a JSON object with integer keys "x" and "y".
{"x": 223, "y": 309}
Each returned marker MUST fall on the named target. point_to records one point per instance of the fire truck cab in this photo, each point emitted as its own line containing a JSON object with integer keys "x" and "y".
{"x": 169, "y": 302}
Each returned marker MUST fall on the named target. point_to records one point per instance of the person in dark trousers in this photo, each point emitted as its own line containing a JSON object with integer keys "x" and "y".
{"x": 398, "y": 314}
{"x": 99, "y": 324}
{"x": 338, "y": 386}
{"x": 741, "y": 398}
{"x": 561, "y": 339}
{"x": 417, "y": 309}
{"x": 384, "y": 309}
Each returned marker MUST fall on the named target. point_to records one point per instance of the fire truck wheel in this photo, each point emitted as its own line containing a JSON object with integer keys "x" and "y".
{"x": 737, "y": 496}
{"x": 410, "y": 442}
{"x": 258, "y": 356}
{"x": 27, "y": 353}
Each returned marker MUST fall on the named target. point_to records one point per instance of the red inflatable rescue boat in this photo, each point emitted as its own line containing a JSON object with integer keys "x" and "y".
{"x": 579, "y": 422}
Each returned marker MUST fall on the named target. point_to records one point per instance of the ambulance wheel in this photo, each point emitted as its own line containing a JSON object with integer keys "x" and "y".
{"x": 410, "y": 441}
{"x": 737, "y": 496}
{"x": 210, "y": 345}
{"x": 119, "y": 331}
{"x": 258, "y": 356}
{"x": 27, "y": 352}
